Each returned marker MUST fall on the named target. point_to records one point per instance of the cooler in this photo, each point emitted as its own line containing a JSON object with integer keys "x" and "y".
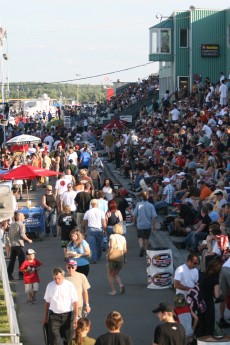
{"x": 34, "y": 221}
{"x": 159, "y": 268}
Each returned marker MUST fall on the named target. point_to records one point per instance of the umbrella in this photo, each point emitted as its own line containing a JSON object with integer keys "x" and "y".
{"x": 27, "y": 172}
{"x": 20, "y": 142}
{"x": 116, "y": 123}
{"x": 23, "y": 139}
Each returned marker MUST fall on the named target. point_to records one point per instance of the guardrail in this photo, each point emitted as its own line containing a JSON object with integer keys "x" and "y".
{"x": 14, "y": 333}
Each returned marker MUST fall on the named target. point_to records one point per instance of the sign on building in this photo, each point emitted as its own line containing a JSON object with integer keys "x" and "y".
{"x": 210, "y": 50}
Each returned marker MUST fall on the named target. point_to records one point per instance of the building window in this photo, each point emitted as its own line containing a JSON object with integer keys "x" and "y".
{"x": 160, "y": 41}
{"x": 154, "y": 43}
{"x": 165, "y": 42}
{"x": 183, "y": 38}
{"x": 228, "y": 36}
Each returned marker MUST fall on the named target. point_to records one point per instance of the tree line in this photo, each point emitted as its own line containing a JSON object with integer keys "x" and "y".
{"x": 81, "y": 93}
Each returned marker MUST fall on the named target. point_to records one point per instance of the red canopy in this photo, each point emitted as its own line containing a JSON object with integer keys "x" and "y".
{"x": 27, "y": 172}
{"x": 116, "y": 123}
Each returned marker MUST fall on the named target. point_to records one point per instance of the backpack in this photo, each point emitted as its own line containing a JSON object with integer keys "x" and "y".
{"x": 188, "y": 213}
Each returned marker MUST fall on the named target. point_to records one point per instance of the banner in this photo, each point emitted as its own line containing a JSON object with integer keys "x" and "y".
{"x": 159, "y": 268}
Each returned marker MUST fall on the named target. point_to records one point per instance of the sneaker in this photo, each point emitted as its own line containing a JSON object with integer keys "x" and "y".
{"x": 10, "y": 277}
{"x": 112, "y": 293}
{"x": 223, "y": 323}
{"x": 122, "y": 289}
{"x": 142, "y": 252}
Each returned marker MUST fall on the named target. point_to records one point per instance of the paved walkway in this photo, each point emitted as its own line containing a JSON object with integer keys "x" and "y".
{"x": 135, "y": 305}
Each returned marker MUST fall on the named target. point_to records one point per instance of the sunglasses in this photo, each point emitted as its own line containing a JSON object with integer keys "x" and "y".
{"x": 70, "y": 267}
{"x": 69, "y": 187}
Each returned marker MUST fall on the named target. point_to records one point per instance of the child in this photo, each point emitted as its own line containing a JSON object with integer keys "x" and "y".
{"x": 30, "y": 269}
{"x": 185, "y": 316}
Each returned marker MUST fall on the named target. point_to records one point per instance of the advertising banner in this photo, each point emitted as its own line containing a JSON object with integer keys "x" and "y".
{"x": 159, "y": 268}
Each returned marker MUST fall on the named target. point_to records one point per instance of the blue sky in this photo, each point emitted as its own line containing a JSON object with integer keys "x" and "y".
{"x": 53, "y": 40}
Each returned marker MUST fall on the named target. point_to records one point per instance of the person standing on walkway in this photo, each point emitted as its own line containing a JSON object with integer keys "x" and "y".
{"x": 116, "y": 241}
{"x": 50, "y": 211}
{"x": 61, "y": 308}
{"x": 81, "y": 333}
{"x": 17, "y": 236}
{"x": 94, "y": 224}
{"x": 145, "y": 218}
{"x": 113, "y": 322}
{"x": 170, "y": 332}
{"x": 82, "y": 286}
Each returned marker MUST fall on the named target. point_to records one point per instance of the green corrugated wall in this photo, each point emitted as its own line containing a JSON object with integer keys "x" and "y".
{"x": 208, "y": 27}
{"x": 181, "y": 21}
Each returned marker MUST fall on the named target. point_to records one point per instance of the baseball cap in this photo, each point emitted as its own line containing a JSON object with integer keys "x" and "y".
{"x": 181, "y": 174}
{"x": 30, "y": 251}
{"x": 166, "y": 179}
{"x": 72, "y": 262}
{"x": 218, "y": 193}
{"x": 163, "y": 307}
{"x": 220, "y": 184}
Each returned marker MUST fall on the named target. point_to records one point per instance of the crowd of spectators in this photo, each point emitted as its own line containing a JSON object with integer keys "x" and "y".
{"x": 178, "y": 154}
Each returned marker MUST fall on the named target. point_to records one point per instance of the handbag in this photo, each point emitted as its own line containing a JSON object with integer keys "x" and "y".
{"x": 116, "y": 255}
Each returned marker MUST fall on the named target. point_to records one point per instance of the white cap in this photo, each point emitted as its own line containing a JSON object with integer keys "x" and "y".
{"x": 181, "y": 174}
{"x": 167, "y": 180}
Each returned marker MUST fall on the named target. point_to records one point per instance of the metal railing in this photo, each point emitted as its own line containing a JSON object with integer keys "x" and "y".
{"x": 14, "y": 333}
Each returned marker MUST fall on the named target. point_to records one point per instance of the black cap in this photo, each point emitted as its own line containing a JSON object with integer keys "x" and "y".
{"x": 163, "y": 307}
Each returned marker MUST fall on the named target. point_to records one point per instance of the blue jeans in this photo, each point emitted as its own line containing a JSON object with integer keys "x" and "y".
{"x": 50, "y": 221}
{"x": 160, "y": 204}
{"x": 109, "y": 231}
{"x": 94, "y": 238}
{"x": 193, "y": 239}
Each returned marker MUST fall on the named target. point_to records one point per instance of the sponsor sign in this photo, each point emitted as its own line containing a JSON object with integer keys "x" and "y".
{"x": 127, "y": 118}
{"x": 210, "y": 50}
{"x": 161, "y": 260}
{"x": 159, "y": 268}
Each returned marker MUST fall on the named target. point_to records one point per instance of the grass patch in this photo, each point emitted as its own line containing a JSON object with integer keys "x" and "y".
{"x": 4, "y": 325}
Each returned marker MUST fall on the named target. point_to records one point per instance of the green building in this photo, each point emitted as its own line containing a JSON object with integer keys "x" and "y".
{"x": 190, "y": 46}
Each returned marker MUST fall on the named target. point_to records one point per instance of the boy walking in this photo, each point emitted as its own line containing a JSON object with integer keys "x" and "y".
{"x": 30, "y": 269}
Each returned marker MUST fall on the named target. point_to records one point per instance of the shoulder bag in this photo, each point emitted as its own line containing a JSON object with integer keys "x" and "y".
{"x": 116, "y": 255}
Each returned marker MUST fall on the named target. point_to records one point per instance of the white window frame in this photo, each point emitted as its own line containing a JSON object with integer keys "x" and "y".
{"x": 180, "y": 38}
{"x": 159, "y": 41}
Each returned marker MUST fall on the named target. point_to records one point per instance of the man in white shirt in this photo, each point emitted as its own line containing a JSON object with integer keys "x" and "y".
{"x": 207, "y": 130}
{"x": 175, "y": 113}
{"x": 60, "y": 188}
{"x": 61, "y": 308}
{"x": 67, "y": 198}
{"x": 186, "y": 275}
{"x": 72, "y": 155}
{"x": 49, "y": 141}
{"x": 223, "y": 93}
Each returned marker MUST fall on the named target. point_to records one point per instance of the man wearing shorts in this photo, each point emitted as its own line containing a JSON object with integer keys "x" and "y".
{"x": 145, "y": 218}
